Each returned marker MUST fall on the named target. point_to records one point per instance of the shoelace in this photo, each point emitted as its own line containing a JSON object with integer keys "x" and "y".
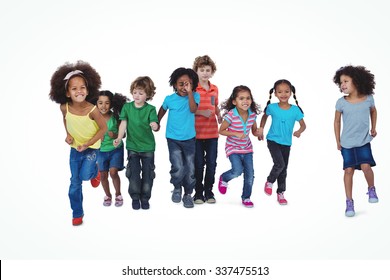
{"x": 371, "y": 192}
{"x": 349, "y": 204}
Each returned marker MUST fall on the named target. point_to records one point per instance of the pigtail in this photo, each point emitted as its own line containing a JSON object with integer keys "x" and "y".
{"x": 295, "y": 98}
{"x": 271, "y": 91}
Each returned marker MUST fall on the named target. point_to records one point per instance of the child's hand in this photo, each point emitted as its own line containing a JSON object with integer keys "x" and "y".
{"x": 111, "y": 134}
{"x": 297, "y": 133}
{"x": 69, "y": 139}
{"x": 206, "y": 113}
{"x": 219, "y": 119}
{"x": 188, "y": 86}
{"x": 116, "y": 142}
{"x": 373, "y": 132}
{"x": 260, "y": 133}
{"x": 82, "y": 148}
{"x": 154, "y": 126}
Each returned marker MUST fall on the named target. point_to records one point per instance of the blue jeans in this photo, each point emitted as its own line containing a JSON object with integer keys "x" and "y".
{"x": 241, "y": 163}
{"x": 182, "y": 157}
{"x": 111, "y": 159}
{"x": 205, "y": 154}
{"x": 83, "y": 167}
{"x": 280, "y": 155}
{"x": 140, "y": 187}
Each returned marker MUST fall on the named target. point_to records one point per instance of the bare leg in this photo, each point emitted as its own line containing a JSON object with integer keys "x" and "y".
{"x": 348, "y": 176}
{"x": 116, "y": 181}
{"x": 369, "y": 174}
{"x": 105, "y": 183}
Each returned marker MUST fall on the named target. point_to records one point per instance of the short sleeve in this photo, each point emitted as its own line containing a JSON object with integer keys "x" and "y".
{"x": 339, "y": 105}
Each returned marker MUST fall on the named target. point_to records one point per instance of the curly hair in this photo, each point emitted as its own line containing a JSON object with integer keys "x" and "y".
{"x": 145, "y": 83}
{"x": 58, "y": 85}
{"x": 117, "y": 101}
{"x": 202, "y": 61}
{"x": 181, "y": 72}
{"x": 228, "y": 105}
{"x": 273, "y": 89}
{"x": 362, "y": 78}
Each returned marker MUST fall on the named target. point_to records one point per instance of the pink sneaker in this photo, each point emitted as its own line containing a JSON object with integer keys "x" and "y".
{"x": 281, "y": 199}
{"x": 222, "y": 185}
{"x": 268, "y": 188}
{"x": 247, "y": 203}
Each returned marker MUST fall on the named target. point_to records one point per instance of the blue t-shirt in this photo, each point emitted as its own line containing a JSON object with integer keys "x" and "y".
{"x": 356, "y": 122}
{"x": 283, "y": 122}
{"x": 181, "y": 122}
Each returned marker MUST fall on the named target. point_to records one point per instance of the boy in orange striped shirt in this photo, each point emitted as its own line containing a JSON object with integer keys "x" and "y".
{"x": 207, "y": 118}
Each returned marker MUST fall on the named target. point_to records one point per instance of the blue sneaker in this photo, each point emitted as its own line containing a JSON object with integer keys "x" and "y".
{"x": 176, "y": 195}
{"x": 372, "y": 197}
{"x": 350, "y": 211}
{"x": 188, "y": 202}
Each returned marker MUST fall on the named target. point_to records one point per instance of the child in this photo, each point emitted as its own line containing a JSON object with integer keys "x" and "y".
{"x": 180, "y": 132}
{"x": 110, "y": 158}
{"x": 357, "y": 108}
{"x": 206, "y": 127}
{"x": 139, "y": 119}
{"x": 239, "y": 120}
{"x": 279, "y": 137}
{"x": 74, "y": 86}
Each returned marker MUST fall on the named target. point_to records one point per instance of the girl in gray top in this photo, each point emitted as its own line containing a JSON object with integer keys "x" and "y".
{"x": 358, "y": 112}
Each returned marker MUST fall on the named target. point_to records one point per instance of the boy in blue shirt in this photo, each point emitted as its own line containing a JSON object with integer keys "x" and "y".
{"x": 180, "y": 132}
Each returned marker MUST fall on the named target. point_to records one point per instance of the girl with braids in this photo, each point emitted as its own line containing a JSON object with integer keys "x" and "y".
{"x": 279, "y": 137}
{"x": 240, "y": 113}
{"x": 110, "y": 158}
{"x": 357, "y": 109}
{"x": 74, "y": 86}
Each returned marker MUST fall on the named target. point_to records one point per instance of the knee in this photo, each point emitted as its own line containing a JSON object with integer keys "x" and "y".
{"x": 349, "y": 171}
{"x": 103, "y": 175}
{"x": 113, "y": 173}
{"x": 365, "y": 167}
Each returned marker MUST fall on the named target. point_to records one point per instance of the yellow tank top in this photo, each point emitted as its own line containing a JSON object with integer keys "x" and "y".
{"x": 82, "y": 128}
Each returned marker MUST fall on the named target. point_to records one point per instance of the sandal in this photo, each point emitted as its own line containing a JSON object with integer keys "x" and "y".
{"x": 118, "y": 201}
{"x": 107, "y": 201}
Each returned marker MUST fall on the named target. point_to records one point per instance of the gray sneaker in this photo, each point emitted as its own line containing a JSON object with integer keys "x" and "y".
{"x": 187, "y": 201}
{"x": 176, "y": 195}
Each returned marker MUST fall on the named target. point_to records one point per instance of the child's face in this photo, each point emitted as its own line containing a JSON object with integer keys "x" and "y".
{"x": 283, "y": 93}
{"x": 139, "y": 96}
{"x": 346, "y": 84}
{"x": 243, "y": 100}
{"x": 204, "y": 73}
{"x": 183, "y": 85}
{"x": 104, "y": 104}
{"x": 77, "y": 89}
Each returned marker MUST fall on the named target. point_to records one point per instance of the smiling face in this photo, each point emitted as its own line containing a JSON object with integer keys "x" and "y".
{"x": 104, "y": 104}
{"x": 243, "y": 100}
{"x": 283, "y": 92}
{"x": 77, "y": 89}
{"x": 346, "y": 84}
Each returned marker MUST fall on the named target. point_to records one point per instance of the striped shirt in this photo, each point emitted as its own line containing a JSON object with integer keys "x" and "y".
{"x": 207, "y": 128}
{"x": 235, "y": 145}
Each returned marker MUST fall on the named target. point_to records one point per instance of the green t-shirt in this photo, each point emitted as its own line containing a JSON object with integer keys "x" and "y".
{"x": 140, "y": 136}
{"x": 107, "y": 143}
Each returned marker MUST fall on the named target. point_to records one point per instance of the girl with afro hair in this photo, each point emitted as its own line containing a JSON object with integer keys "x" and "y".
{"x": 357, "y": 110}
{"x": 75, "y": 87}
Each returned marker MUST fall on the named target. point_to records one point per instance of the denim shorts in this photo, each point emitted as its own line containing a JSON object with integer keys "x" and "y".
{"x": 112, "y": 159}
{"x": 354, "y": 157}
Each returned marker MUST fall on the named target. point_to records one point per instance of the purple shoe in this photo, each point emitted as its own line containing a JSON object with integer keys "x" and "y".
{"x": 350, "y": 211}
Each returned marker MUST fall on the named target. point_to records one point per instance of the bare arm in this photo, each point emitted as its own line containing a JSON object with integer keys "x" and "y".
{"x": 160, "y": 115}
{"x": 263, "y": 121}
{"x": 223, "y": 131}
{"x": 69, "y": 138}
{"x": 374, "y": 116}
{"x": 337, "y": 128}
{"x": 101, "y": 122}
{"x": 301, "y": 129}
{"x": 121, "y": 133}
{"x": 192, "y": 103}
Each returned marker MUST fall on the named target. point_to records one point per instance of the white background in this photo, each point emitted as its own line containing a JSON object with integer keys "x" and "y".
{"x": 253, "y": 43}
